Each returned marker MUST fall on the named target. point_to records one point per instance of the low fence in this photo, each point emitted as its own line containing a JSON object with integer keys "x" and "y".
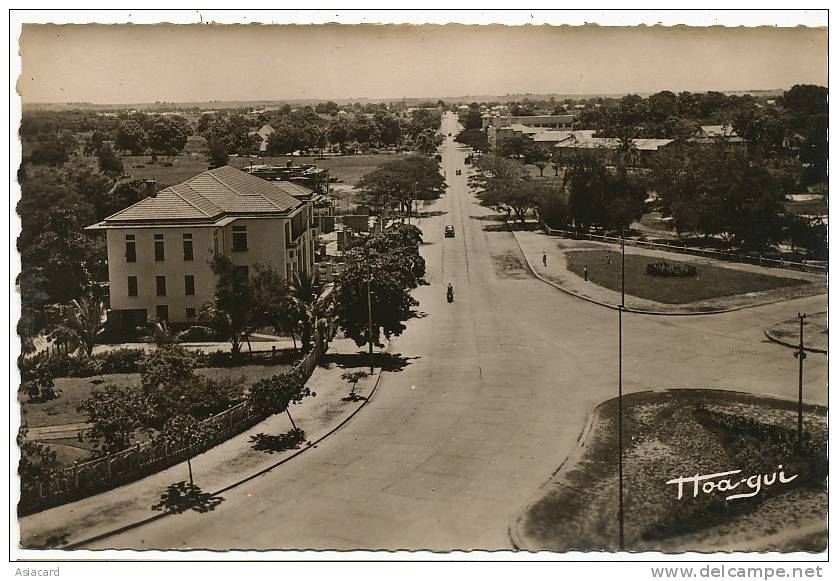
{"x": 717, "y": 254}
{"x": 100, "y": 474}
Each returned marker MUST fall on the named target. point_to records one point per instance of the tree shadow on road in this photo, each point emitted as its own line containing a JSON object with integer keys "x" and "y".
{"x": 390, "y": 362}
{"x": 271, "y": 443}
{"x": 182, "y": 496}
{"x": 430, "y": 213}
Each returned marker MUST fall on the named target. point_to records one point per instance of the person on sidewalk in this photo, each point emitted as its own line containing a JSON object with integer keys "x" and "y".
{"x": 544, "y": 258}
{"x": 586, "y": 273}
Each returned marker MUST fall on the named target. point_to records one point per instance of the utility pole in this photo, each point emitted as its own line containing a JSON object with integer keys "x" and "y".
{"x": 620, "y": 383}
{"x": 369, "y": 310}
{"x": 800, "y": 354}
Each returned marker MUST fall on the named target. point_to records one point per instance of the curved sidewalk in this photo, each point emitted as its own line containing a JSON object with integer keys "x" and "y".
{"x": 220, "y": 468}
{"x": 534, "y": 243}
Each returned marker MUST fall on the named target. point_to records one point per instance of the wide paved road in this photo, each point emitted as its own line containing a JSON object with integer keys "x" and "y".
{"x": 495, "y": 392}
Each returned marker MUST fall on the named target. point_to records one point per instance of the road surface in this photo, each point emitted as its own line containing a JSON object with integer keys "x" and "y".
{"x": 495, "y": 390}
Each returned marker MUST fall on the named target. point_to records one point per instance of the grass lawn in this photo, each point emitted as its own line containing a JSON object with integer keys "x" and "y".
{"x": 711, "y": 281}
{"x": 667, "y": 437}
{"x": 75, "y": 389}
{"x": 183, "y": 167}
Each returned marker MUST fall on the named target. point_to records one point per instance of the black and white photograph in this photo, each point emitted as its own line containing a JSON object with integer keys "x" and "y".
{"x": 526, "y": 287}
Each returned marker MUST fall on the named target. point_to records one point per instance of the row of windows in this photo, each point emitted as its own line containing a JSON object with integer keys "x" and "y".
{"x": 159, "y": 248}
{"x": 160, "y": 285}
{"x": 162, "y": 312}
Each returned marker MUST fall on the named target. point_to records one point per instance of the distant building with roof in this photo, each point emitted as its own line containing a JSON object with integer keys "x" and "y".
{"x": 500, "y": 128}
{"x": 160, "y": 249}
{"x": 263, "y": 135}
{"x": 724, "y": 135}
{"x": 582, "y": 144}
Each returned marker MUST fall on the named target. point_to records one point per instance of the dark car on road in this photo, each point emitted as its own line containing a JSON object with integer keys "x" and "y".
{"x": 449, "y": 231}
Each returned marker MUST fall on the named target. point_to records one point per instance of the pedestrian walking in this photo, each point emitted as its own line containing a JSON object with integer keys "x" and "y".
{"x": 586, "y": 273}
{"x": 609, "y": 257}
{"x": 544, "y": 258}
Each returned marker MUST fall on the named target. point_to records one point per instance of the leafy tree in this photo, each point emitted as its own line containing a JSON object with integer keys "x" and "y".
{"x": 37, "y": 461}
{"x": 276, "y": 394}
{"x": 352, "y": 378}
{"x": 391, "y": 301}
{"x": 519, "y": 146}
{"x": 339, "y": 130}
{"x": 400, "y": 182}
{"x": 184, "y": 428}
{"x": 287, "y": 138}
{"x": 115, "y": 416}
{"x": 216, "y": 153}
{"x": 230, "y": 313}
{"x": 427, "y": 141}
{"x": 130, "y": 136}
{"x": 541, "y": 165}
{"x": 51, "y": 153}
{"x": 109, "y": 163}
{"x": 473, "y": 138}
{"x": 167, "y": 136}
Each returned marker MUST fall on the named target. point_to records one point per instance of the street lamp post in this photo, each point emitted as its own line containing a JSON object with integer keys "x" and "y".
{"x": 369, "y": 310}
{"x": 620, "y": 383}
{"x": 800, "y": 354}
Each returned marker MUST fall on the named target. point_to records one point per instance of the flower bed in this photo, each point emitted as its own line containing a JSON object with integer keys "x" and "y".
{"x": 670, "y": 269}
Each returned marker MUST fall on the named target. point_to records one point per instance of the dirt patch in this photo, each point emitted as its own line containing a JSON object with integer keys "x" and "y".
{"x": 667, "y": 435}
{"x": 510, "y": 266}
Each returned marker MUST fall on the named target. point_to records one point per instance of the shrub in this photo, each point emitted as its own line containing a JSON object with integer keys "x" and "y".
{"x": 671, "y": 269}
{"x": 119, "y": 361}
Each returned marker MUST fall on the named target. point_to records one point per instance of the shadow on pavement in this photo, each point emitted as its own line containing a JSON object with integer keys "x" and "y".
{"x": 391, "y": 362}
{"x": 182, "y": 496}
{"x": 271, "y": 443}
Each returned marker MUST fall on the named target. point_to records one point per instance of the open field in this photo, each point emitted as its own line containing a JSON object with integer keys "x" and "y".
{"x": 668, "y": 435}
{"x": 711, "y": 281}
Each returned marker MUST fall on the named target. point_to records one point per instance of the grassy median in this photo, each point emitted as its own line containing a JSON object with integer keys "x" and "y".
{"x": 710, "y": 282}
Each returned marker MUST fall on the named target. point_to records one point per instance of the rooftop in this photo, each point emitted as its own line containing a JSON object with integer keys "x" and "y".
{"x": 209, "y": 197}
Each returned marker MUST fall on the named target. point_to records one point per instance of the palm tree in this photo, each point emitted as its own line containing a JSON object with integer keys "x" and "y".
{"x": 224, "y": 325}
{"x": 305, "y": 294}
{"x": 160, "y": 333}
{"x": 80, "y": 324}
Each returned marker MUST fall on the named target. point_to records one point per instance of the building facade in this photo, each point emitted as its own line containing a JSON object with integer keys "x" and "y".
{"x": 160, "y": 249}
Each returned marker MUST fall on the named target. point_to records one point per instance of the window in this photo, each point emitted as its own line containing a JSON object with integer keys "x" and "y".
{"x": 162, "y": 312}
{"x": 190, "y": 312}
{"x": 159, "y": 251}
{"x": 187, "y": 247}
{"x": 189, "y": 284}
{"x": 130, "y": 248}
{"x": 132, "y": 286}
{"x": 161, "y": 286}
{"x": 239, "y": 238}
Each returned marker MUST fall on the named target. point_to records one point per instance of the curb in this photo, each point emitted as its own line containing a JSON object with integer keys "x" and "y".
{"x": 137, "y": 524}
{"x": 608, "y": 305}
{"x": 638, "y": 311}
{"x": 778, "y": 341}
{"x": 514, "y": 530}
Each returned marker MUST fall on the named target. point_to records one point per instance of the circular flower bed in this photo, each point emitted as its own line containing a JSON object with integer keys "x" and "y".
{"x": 670, "y": 269}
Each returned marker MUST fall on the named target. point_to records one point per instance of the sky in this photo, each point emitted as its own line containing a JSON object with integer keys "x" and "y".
{"x": 113, "y": 64}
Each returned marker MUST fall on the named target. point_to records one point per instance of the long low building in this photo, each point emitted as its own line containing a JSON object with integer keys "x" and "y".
{"x": 609, "y": 149}
{"x": 160, "y": 249}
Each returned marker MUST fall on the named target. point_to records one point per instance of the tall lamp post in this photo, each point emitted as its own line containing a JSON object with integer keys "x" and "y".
{"x": 369, "y": 309}
{"x": 620, "y": 382}
{"x": 800, "y": 354}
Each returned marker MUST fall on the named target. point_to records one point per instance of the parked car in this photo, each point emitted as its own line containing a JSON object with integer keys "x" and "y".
{"x": 449, "y": 231}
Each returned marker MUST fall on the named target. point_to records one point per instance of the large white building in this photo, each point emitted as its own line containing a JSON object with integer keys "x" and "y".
{"x": 160, "y": 249}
